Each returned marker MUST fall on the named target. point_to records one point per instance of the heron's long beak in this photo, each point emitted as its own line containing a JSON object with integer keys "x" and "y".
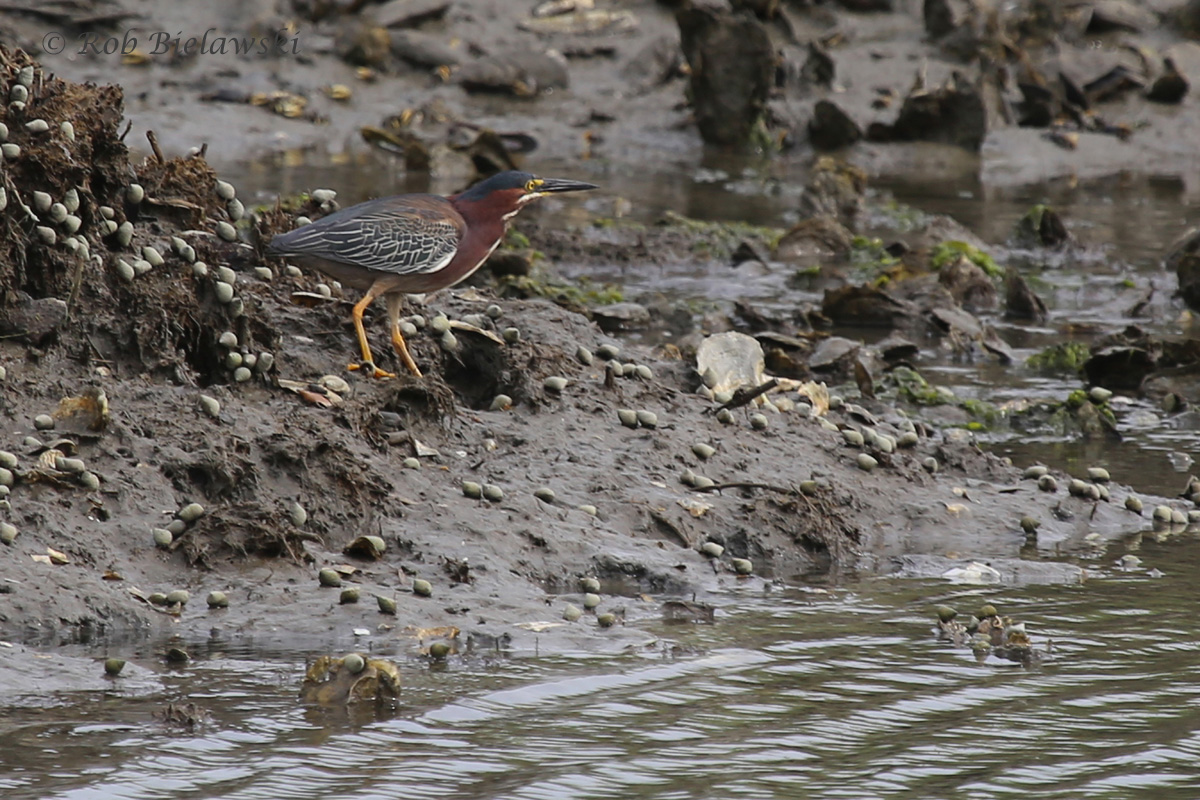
{"x": 563, "y": 185}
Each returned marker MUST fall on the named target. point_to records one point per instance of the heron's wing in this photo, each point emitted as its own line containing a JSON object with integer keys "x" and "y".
{"x": 400, "y": 235}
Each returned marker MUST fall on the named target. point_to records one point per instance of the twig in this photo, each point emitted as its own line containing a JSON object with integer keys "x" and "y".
{"x": 743, "y": 396}
{"x": 153, "y": 137}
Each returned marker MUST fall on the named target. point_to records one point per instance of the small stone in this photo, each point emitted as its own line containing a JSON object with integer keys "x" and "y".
{"x": 908, "y": 439}
{"x": 226, "y": 231}
{"x": 1077, "y": 488}
{"x": 703, "y": 451}
{"x": 135, "y": 193}
{"x": 235, "y": 210}
{"x": 217, "y": 600}
{"x": 608, "y": 351}
{"x": 47, "y": 235}
{"x": 323, "y": 195}
{"x": 141, "y": 266}
{"x": 264, "y": 363}
{"x": 153, "y": 256}
{"x": 644, "y": 372}
{"x": 178, "y": 597}
{"x": 1134, "y": 504}
{"x": 125, "y": 270}
{"x": 758, "y": 422}
{"x": 472, "y": 490}
{"x": 226, "y": 274}
{"x": 1098, "y": 474}
{"x": 725, "y": 416}
{"x": 583, "y": 356}
{"x": 590, "y": 601}
{"x": 89, "y": 481}
{"x": 1178, "y": 517}
{"x": 8, "y": 532}
{"x": 228, "y": 339}
{"x": 233, "y": 360}
{"x": 572, "y": 613}
{"x": 1047, "y": 483}
{"x": 555, "y": 383}
{"x": 545, "y": 494}
{"x": 1099, "y": 395}
{"x": 703, "y": 482}
{"x": 349, "y": 595}
{"x": 438, "y": 651}
{"x": 200, "y": 269}
{"x": 37, "y": 126}
{"x": 177, "y": 527}
{"x": 225, "y": 190}
{"x": 264, "y": 273}
{"x": 501, "y": 402}
{"x": 242, "y": 374}
{"x": 930, "y": 464}
{"x": 210, "y": 406}
{"x": 10, "y": 150}
{"x": 712, "y": 549}
{"x": 43, "y": 422}
{"x": 162, "y": 537}
{"x": 853, "y": 438}
{"x": 866, "y": 462}
{"x": 191, "y": 512}
{"x": 329, "y": 577}
{"x": 647, "y": 419}
{"x": 493, "y": 493}
{"x": 628, "y": 417}
{"x": 1035, "y": 472}
{"x": 589, "y": 509}
{"x": 742, "y": 566}
{"x": 1029, "y": 525}
{"x": 297, "y": 514}
{"x": 422, "y": 587}
{"x": 224, "y": 292}
{"x": 589, "y": 584}
{"x": 511, "y": 335}
{"x": 74, "y": 466}
{"x": 8, "y": 460}
{"x": 412, "y": 463}
{"x": 1162, "y": 513}
{"x": 386, "y": 605}
{"x": 606, "y": 620}
{"x": 113, "y": 666}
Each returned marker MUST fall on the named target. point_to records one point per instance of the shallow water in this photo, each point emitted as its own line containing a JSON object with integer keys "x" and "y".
{"x": 837, "y": 692}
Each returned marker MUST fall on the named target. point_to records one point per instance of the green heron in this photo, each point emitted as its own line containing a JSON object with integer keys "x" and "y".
{"x": 412, "y": 244}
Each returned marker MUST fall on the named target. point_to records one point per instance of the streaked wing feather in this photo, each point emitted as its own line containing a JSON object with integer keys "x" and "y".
{"x": 401, "y": 239}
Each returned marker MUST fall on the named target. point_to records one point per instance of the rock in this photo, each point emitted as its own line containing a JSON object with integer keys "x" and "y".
{"x": 32, "y": 321}
{"x": 953, "y": 114}
{"x": 1041, "y": 227}
{"x": 732, "y": 63}
{"x": 943, "y": 17}
{"x": 831, "y": 128}
{"x": 422, "y": 49}
{"x": 1120, "y": 15}
{"x": 524, "y": 73}
{"x": 621, "y": 317}
{"x": 655, "y": 64}
{"x": 867, "y": 306}
{"x": 819, "y": 68}
{"x": 1020, "y": 302}
{"x": 410, "y": 13}
{"x": 1184, "y": 259}
{"x": 968, "y": 284}
{"x": 815, "y": 240}
{"x": 363, "y": 44}
{"x": 1170, "y": 87}
{"x": 834, "y": 189}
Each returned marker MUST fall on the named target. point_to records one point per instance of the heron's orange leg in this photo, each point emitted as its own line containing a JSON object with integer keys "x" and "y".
{"x": 368, "y": 359}
{"x": 393, "y": 303}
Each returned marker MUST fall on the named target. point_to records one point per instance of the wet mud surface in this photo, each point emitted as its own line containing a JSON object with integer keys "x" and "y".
{"x": 297, "y": 429}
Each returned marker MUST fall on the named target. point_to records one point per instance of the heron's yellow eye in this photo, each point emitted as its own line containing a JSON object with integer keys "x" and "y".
{"x": 532, "y": 186}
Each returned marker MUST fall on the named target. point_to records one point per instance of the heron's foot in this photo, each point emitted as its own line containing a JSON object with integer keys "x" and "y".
{"x": 368, "y": 366}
